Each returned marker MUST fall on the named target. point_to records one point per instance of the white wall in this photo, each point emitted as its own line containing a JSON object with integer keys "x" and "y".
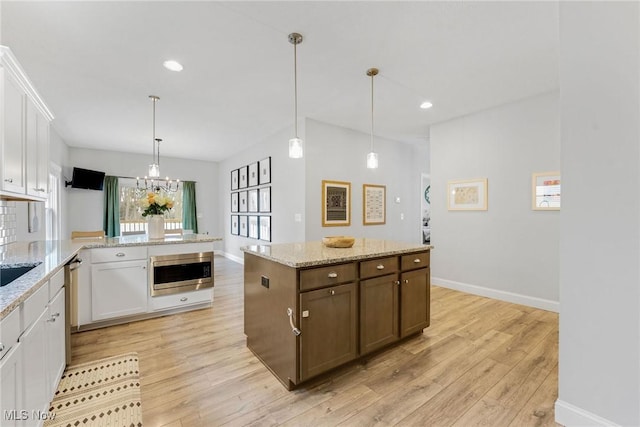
{"x": 339, "y": 154}
{"x": 287, "y": 191}
{"x": 86, "y": 207}
{"x": 599, "y": 376}
{"x": 508, "y": 252}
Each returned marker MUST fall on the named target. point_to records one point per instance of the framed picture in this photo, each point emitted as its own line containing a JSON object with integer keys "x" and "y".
{"x": 336, "y": 203}
{"x": 265, "y": 228}
{"x": 244, "y": 225}
{"x": 253, "y": 174}
{"x": 252, "y": 201}
{"x": 243, "y": 181}
{"x": 265, "y": 171}
{"x": 253, "y": 227}
{"x": 467, "y": 195}
{"x": 234, "y": 179}
{"x": 235, "y": 226}
{"x": 374, "y": 204}
{"x": 243, "y": 206}
{"x": 234, "y": 202}
{"x": 264, "y": 202}
{"x": 545, "y": 191}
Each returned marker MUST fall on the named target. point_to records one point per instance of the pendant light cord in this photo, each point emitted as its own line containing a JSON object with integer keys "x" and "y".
{"x": 372, "y": 112}
{"x": 295, "y": 88}
{"x": 153, "y": 160}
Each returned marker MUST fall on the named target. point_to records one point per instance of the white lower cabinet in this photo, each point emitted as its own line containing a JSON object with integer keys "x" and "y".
{"x": 34, "y": 350}
{"x": 11, "y": 388}
{"x": 118, "y": 289}
{"x": 55, "y": 341}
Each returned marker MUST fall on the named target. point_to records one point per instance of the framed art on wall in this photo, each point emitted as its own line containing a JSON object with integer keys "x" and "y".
{"x": 253, "y": 226}
{"x": 467, "y": 195}
{"x": 545, "y": 191}
{"x": 265, "y": 228}
{"x": 234, "y": 179}
{"x": 336, "y": 203}
{"x": 374, "y": 204}
{"x": 252, "y": 201}
{"x": 244, "y": 225}
{"x": 265, "y": 171}
{"x": 243, "y": 202}
{"x": 253, "y": 174}
{"x": 234, "y": 202}
{"x": 264, "y": 196}
{"x": 243, "y": 180}
{"x": 235, "y": 229}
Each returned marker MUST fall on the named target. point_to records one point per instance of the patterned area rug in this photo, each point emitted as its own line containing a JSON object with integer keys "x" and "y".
{"x": 105, "y": 392}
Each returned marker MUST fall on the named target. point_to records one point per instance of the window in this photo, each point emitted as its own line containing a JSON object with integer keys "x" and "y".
{"x": 131, "y": 219}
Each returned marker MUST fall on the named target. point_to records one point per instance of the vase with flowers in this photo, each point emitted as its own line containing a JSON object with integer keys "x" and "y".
{"x": 153, "y": 206}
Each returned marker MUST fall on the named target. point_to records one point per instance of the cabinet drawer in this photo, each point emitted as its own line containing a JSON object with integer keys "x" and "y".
{"x": 9, "y": 332}
{"x": 118, "y": 254}
{"x": 33, "y": 307}
{"x": 412, "y": 261}
{"x": 378, "y": 267}
{"x": 165, "y": 302}
{"x": 327, "y": 276}
{"x": 56, "y": 283}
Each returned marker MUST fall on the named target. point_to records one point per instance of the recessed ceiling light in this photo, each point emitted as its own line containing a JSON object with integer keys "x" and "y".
{"x": 425, "y": 105}
{"x": 172, "y": 65}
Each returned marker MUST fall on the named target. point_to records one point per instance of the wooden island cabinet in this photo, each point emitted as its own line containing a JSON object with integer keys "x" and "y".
{"x": 309, "y": 308}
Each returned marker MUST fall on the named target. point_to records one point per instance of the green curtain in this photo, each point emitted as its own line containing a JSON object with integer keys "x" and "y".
{"x": 111, "y": 206}
{"x": 189, "y": 220}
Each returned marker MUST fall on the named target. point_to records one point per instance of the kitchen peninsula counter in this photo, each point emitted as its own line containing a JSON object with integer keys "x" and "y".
{"x": 54, "y": 254}
{"x": 309, "y": 308}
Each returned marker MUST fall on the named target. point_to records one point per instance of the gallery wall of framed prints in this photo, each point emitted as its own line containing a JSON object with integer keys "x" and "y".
{"x": 251, "y": 200}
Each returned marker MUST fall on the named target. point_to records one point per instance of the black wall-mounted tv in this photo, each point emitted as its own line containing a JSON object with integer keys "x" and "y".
{"x": 88, "y": 179}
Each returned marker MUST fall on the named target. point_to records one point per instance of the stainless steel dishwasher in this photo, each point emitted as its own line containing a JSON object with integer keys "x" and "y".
{"x": 71, "y": 301}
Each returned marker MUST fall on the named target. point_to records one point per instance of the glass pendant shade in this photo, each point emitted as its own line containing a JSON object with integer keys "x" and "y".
{"x": 154, "y": 170}
{"x": 372, "y": 160}
{"x": 295, "y": 148}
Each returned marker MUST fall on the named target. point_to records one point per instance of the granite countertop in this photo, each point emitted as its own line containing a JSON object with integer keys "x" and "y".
{"x": 53, "y": 255}
{"x": 309, "y": 254}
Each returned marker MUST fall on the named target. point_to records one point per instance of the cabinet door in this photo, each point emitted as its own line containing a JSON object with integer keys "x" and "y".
{"x": 329, "y": 325}
{"x": 118, "y": 289}
{"x": 414, "y": 303}
{"x": 34, "y": 361}
{"x": 55, "y": 341}
{"x": 42, "y": 142}
{"x": 12, "y": 97}
{"x": 11, "y": 406}
{"x": 31, "y": 147}
{"x": 378, "y": 312}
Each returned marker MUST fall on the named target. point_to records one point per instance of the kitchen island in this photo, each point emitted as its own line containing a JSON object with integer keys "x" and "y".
{"x": 309, "y": 308}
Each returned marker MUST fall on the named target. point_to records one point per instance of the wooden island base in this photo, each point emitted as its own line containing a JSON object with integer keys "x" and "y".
{"x": 309, "y": 309}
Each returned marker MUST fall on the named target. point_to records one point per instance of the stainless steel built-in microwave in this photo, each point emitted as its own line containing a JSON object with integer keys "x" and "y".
{"x": 171, "y": 274}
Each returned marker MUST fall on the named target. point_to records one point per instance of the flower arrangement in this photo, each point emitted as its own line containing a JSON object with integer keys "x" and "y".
{"x": 155, "y": 204}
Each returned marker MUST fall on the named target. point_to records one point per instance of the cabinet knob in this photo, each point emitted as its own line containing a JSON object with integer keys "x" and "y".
{"x": 397, "y": 282}
{"x": 120, "y": 254}
{"x": 380, "y": 267}
{"x": 1, "y": 347}
{"x": 55, "y": 315}
{"x": 53, "y": 319}
{"x": 183, "y": 299}
{"x": 332, "y": 275}
{"x": 417, "y": 260}
{"x": 332, "y": 292}
{"x": 9, "y": 180}
{"x": 406, "y": 280}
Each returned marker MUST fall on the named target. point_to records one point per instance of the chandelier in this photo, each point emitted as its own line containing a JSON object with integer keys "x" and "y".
{"x": 372, "y": 157}
{"x": 152, "y": 181}
{"x": 295, "y": 143}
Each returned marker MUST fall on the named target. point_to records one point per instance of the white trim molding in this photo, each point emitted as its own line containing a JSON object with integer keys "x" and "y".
{"x": 237, "y": 259}
{"x": 570, "y": 416}
{"x": 530, "y": 301}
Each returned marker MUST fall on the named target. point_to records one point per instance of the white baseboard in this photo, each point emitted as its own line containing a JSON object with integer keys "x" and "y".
{"x": 237, "y": 259}
{"x": 572, "y": 416}
{"x": 544, "y": 304}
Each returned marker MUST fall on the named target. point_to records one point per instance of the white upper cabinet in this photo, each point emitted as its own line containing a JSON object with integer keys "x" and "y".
{"x": 24, "y": 134}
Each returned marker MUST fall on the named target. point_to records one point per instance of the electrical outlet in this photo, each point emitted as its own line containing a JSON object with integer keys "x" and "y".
{"x": 264, "y": 281}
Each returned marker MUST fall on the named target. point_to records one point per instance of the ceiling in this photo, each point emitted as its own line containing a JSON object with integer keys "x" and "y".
{"x": 96, "y": 63}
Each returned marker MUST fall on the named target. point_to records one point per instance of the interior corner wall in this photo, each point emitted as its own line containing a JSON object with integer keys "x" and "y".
{"x": 599, "y": 358}
{"x": 86, "y": 207}
{"x": 287, "y": 191}
{"x": 339, "y": 154}
{"x": 509, "y": 251}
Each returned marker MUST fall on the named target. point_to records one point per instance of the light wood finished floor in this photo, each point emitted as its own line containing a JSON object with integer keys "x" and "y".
{"x": 481, "y": 362}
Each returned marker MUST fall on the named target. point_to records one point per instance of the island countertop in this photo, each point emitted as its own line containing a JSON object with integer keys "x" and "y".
{"x": 310, "y": 254}
{"x": 54, "y": 254}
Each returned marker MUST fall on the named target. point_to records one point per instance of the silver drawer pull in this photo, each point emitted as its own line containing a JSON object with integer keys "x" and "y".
{"x": 396, "y": 282}
{"x": 55, "y": 315}
{"x": 332, "y": 292}
{"x": 332, "y": 275}
{"x": 380, "y": 267}
{"x": 183, "y": 299}
{"x": 417, "y": 260}
{"x": 1, "y": 347}
{"x": 9, "y": 180}
{"x": 120, "y": 254}
{"x": 53, "y": 319}
{"x": 406, "y": 280}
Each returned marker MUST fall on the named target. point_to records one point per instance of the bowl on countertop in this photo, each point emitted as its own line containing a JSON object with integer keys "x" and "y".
{"x": 338, "y": 241}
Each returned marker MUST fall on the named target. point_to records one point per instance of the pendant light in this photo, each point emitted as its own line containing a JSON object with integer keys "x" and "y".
{"x": 295, "y": 143}
{"x": 154, "y": 167}
{"x": 372, "y": 157}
